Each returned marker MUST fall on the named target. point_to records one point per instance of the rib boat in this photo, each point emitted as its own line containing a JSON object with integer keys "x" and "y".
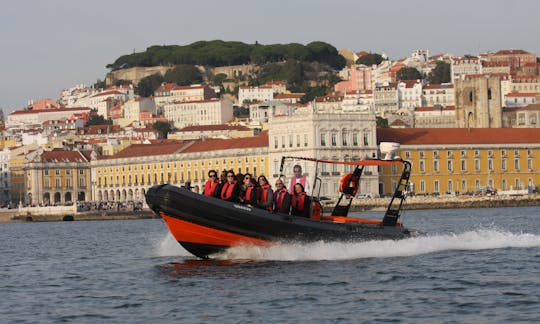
{"x": 206, "y": 225}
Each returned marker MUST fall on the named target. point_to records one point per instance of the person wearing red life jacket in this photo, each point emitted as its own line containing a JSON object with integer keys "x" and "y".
{"x": 231, "y": 189}
{"x": 265, "y": 198}
{"x": 211, "y": 185}
{"x": 298, "y": 178}
{"x": 248, "y": 194}
{"x": 300, "y": 202}
{"x": 282, "y": 198}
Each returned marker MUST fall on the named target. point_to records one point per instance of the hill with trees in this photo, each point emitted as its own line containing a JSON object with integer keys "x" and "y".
{"x": 223, "y": 53}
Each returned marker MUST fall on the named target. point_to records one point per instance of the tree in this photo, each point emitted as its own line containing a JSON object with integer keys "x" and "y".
{"x": 440, "y": 74}
{"x": 163, "y": 128}
{"x": 382, "y": 122}
{"x": 219, "y": 78}
{"x": 148, "y": 85}
{"x": 408, "y": 73}
{"x": 96, "y": 119}
{"x": 183, "y": 74}
{"x": 370, "y": 59}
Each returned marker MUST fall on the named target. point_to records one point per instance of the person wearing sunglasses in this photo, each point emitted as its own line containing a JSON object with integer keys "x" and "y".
{"x": 265, "y": 198}
{"x": 212, "y": 184}
{"x": 231, "y": 189}
{"x": 249, "y": 191}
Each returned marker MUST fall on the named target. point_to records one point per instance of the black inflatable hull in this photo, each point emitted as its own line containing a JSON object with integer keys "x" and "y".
{"x": 205, "y": 225}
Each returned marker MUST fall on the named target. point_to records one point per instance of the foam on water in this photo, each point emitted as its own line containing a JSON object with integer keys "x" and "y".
{"x": 482, "y": 239}
{"x": 168, "y": 246}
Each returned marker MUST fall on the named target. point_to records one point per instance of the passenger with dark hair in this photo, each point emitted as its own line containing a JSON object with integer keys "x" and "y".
{"x": 211, "y": 184}
{"x": 300, "y": 202}
{"x": 231, "y": 189}
{"x": 265, "y": 197}
{"x": 249, "y": 193}
{"x": 282, "y": 198}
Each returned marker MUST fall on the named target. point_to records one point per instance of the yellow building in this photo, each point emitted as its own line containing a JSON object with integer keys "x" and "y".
{"x": 58, "y": 177}
{"x": 459, "y": 161}
{"x": 126, "y": 176}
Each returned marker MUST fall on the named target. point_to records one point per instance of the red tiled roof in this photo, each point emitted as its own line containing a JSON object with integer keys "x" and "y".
{"x": 107, "y": 93}
{"x": 450, "y": 136}
{"x": 202, "y": 128}
{"x": 24, "y": 112}
{"x": 166, "y": 87}
{"x": 517, "y": 94}
{"x": 511, "y": 52}
{"x": 410, "y": 83}
{"x": 140, "y": 150}
{"x": 289, "y": 95}
{"x": 439, "y": 86}
{"x": 60, "y": 155}
{"x": 531, "y": 107}
{"x": 260, "y": 140}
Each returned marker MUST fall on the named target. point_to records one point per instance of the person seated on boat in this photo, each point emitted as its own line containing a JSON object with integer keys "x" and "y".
{"x": 265, "y": 197}
{"x": 187, "y": 185}
{"x": 231, "y": 189}
{"x": 282, "y": 198}
{"x": 249, "y": 190}
{"x": 298, "y": 178}
{"x": 300, "y": 202}
{"x": 211, "y": 184}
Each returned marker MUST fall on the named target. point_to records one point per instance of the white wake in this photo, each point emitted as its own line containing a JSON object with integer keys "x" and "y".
{"x": 472, "y": 240}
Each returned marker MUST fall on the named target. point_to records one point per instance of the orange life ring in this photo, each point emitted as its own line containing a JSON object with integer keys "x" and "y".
{"x": 349, "y": 181}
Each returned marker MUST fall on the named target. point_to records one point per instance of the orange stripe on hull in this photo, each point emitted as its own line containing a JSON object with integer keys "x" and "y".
{"x": 192, "y": 233}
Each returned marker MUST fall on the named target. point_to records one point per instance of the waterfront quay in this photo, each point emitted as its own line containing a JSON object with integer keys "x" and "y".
{"x": 63, "y": 213}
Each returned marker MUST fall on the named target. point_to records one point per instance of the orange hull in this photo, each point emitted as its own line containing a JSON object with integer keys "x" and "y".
{"x": 186, "y": 232}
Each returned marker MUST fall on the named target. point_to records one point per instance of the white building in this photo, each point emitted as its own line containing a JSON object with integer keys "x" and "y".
{"x": 438, "y": 94}
{"x": 513, "y": 99}
{"x": 409, "y": 93}
{"x": 462, "y": 66}
{"x": 435, "y": 117}
{"x": 27, "y": 118}
{"x": 206, "y": 112}
{"x": 324, "y": 131}
{"x": 69, "y": 97}
{"x": 133, "y": 107}
{"x": 251, "y": 94}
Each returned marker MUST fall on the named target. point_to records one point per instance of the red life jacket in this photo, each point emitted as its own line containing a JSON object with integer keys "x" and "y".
{"x": 264, "y": 195}
{"x": 210, "y": 187}
{"x": 227, "y": 190}
{"x": 249, "y": 192}
{"x": 279, "y": 196}
{"x": 298, "y": 202}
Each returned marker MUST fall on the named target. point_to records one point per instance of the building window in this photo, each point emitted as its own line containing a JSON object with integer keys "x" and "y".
{"x": 334, "y": 139}
{"x": 477, "y": 165}
{"x": 477, "y": 184}
{"x": 275, "y": 142}
{"x": 344, "y": 138}
{"x": 57, "y": 172}
{"x": 517, "y": 184}
{"x": 463, "y": 165}
{"x": 81, "y": 182}
{"x": 516, "y": 164}
{"x": 422, "y": 186}
{"x": 305, "y": 140}
{"x": 355, "y": 139}
{"x": 450, "y": 167}
{"x": 530, "y": 164}
{"x": 68, "y": 182}
{"x": 422, "y": 166}
{"x": 476, "y": 153}
{"x": 46, "y": 171}
{"x": 323, "y": 139}
{"x": 297, "y": 140}
{"x": 366, "y": 139}
{"x": 503, "y": 184}
{"x": 490, "y": 165}
{"x": 450, "y": 186}
{"x": 464, "y": 185}
{"x": 503, "y": 164}
{"x": 436, "y": 185}
{"x": 421, "y": 154}
{"x": 436, "y": 166}
{"x": 407, "y": 155}
{"x": 282, "y": 141}
{"x": 463, "y": 154}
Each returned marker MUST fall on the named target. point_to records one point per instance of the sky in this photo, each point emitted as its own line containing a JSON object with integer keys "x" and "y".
{"x": 50, "y": 45}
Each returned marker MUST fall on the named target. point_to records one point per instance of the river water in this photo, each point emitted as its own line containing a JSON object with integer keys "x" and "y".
{"x": 471, "y": 265}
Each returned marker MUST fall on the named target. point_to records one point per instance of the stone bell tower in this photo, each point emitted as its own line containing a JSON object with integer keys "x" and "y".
{"x": 478, "y": 102}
